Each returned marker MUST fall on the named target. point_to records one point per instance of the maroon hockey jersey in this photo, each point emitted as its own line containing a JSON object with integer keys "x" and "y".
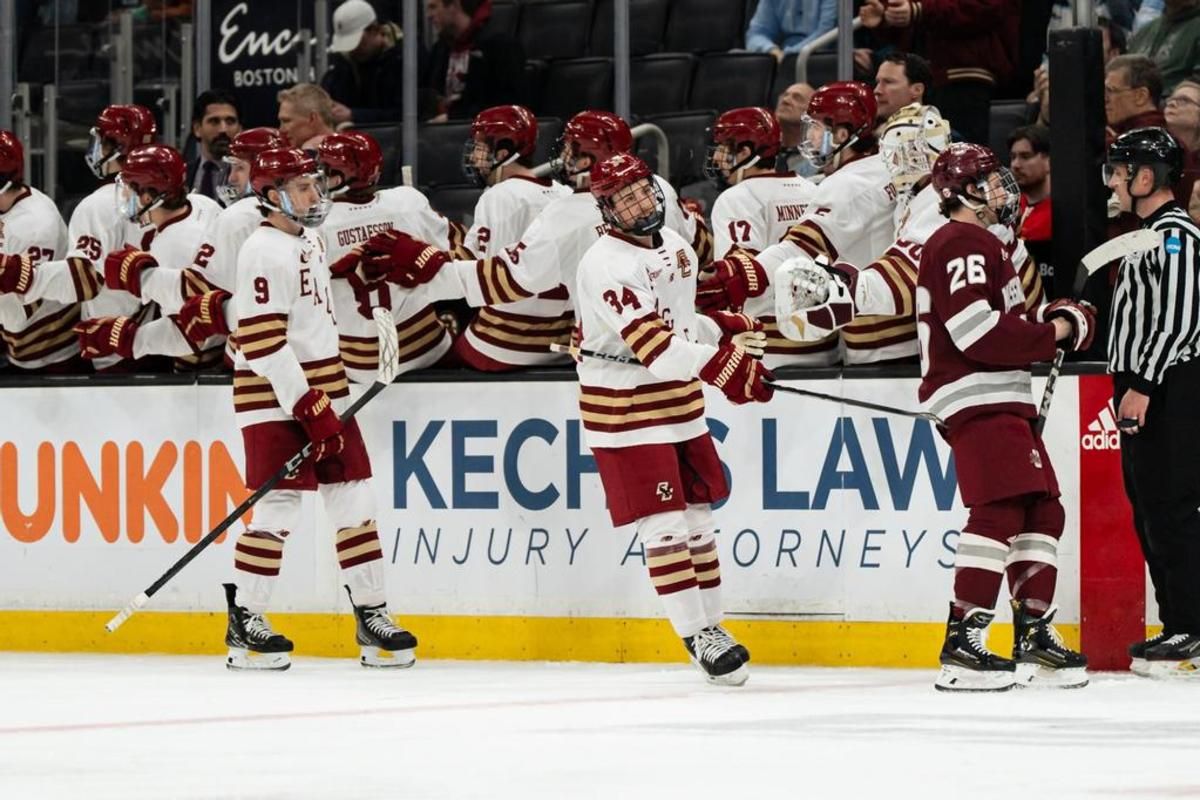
{"x": 976, "y": 341}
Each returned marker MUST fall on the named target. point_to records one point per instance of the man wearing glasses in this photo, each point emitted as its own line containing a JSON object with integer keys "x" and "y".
{"x": 1182, "y": 111}
{"x": 1132, "y": 92}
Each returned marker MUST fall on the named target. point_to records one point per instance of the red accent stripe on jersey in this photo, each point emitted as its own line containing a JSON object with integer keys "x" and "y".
{"x": 419, "y": 334}
{"x": 615, "y": 410}
{"x": 778, "y": 344}
{"x": 809, "y": 237}
{"x": 497, "y": 283}
{"x": 87, "y": 281}
{"x": 521, "y": 332}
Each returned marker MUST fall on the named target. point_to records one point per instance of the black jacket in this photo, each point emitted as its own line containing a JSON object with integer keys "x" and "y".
{"x": 495, "y": 72}
{"x": 373, "y": 90}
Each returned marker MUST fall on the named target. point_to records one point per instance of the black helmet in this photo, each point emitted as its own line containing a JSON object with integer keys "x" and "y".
{"x": 1149, "y": 147}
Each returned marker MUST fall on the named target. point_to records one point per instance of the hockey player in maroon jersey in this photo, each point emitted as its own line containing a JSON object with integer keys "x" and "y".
{"x": 644, "y": 419}
{"x": 977, "y": 343}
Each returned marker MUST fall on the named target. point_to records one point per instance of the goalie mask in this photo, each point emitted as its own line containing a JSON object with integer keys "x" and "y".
{"x": 234, "y": 183}
{"x": 512, "y": 129}
{"x": 298, "y": 181}
{"x": 630, "y": 199}
{"x": 972, "y": 165}
{"x": 118, "y": 129}
{"x": 752, "y": 128}
{"x": 913, "y": 139}
{"x": 589, "y": 138}
{"x": 155, "y": 170}
{"x": 847, "y": 105}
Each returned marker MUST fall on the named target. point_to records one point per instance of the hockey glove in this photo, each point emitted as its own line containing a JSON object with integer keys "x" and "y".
{"x": 107, "y": 336}
{"x": 741, "y": 330}
{"x": 123, "y": 269}
{"x": 1082, "y": 317}
{"x": 349, "y": 268}
{"x": 399, "y": 258}
{"x": 315, "y": 413}
{"x": 16, "y": 274}
{"x": 737, "y": 277}
{"x": 739, "y": 376}
{"x": 203, "y": 316}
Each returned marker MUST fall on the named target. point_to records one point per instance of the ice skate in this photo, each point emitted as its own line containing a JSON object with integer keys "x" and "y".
{"x": 967, "y": 664}
{"x": 383, "y": 642}
{"x": 737, "y": 646}
{"x": 253, "y": 645}
{"x": 1137, "y": 651}
{"x": 1177, "y": 656}
{"x": 1041, "y": 657}
{"x": 717, "y": 656}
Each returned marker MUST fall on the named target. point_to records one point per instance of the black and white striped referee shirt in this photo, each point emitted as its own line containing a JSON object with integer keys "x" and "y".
{"x": 1155, "y": 320}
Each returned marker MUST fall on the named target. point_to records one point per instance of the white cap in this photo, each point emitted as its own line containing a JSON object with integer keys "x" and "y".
{"x": 349, "y": 21}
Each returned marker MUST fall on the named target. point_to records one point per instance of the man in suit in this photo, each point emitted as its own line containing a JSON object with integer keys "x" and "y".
{"x": 215, "y": 121}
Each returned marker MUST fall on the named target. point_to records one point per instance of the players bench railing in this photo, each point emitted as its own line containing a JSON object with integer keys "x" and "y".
{"x": 645, "y": 129}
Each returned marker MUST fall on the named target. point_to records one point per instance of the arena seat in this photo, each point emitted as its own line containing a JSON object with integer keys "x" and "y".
{"x": 730, "y": 80}
{"x": 659, "y": 83}
{"x": 550, "y": 29}
{"x": 647, "y": 21}
{"x": 575, "y": 84}
{"x": 505, "y": 17}
{"x": 687, "y": 135}
{"x": 704, "y": 26}
{"x": 455, "y": 201}
{"x": 439, "y": 153}
{"x": 548, "y": 130}
{"x": 1003, "y": 117}
{"x": 389, "y": 136}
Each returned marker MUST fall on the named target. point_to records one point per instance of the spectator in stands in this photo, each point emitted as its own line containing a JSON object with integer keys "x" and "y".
{"x": 971, "y": 47}
{"x": 1112, "y": 38}
{"x": 1172, "y": 41}
{"x": 366, "y": 66}
{"x": 1132, "y": 91}
{"x": 1182, "y": 113}
{"x": 902, "y": 79}
{"x": 790, "y": 109}
{"x": 471, "y": 66}
{"x": 1029, "y": 156}
{"x": 216, "y": 119}
{"x": 780, "y": 27}
{"x": 305, "y": 115}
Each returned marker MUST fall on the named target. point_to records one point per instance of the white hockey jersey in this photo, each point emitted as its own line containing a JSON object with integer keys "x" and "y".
{"x": 423, "y": 339}
{"x": 175, "y": 246}
{"x": 506, "y": 209}
{"x": 751, "y": 216}
{"x": 38, "y": 333}
{"x": 286, "y": 337}
{"x": 640, "y": 301}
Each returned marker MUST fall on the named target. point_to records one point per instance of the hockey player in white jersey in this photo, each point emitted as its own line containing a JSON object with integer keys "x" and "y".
{"x": 37, "y": 336}
{"x": 756, "y": 208}
{"x": 498, "y": 156}
{"x": 644, "y": 419}
{"x": 152, "y": 188}
{"x": 289, "y": 386}
{"x": 353, "y": 162}
{"x": 541, "y": 266}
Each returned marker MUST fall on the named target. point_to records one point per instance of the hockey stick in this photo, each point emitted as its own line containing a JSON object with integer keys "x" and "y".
{"x": 904, "y": 412}
{"x": 389, "y": 365}
{"x": 1127, "y": 244}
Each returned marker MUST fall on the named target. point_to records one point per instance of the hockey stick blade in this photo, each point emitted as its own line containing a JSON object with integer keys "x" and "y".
{"x": 1127, "y": 244}
{"x": 389, "y": 365}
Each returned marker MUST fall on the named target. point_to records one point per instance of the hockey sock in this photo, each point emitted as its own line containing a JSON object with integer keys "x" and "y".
{"x": 257, "y": 556}
{"x": 674, "y": 579}
{"x": 361, "y": 558}
{"x": 982, "y": 553}
{"x": 703, "y": 549}
{"x": 1032, "y": 565}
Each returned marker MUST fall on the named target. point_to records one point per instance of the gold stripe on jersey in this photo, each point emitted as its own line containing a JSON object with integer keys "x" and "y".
{"x": 195, "y": 283}
{"x": 497, "y": 282}
{"x": 44, "y": 336}
{"x": 811, "y": 239}
{"x": 702, "y": 242}
{"x": 778, "y": 344}
{"x": 456, "y": 236}
{"x": 1031, "y": 284}
{"x": 648, "y": 337}
{"x": 521, "y": 332}
{"x": 649, "y": 405}
{"x": 901, "y": 277}
{"x": 874, "y": 331}
{"x": 84, "y": 276}
{"x": 261, "y": 336}
{"x": 253, "y": 392}
{"x": 419, "y": 334}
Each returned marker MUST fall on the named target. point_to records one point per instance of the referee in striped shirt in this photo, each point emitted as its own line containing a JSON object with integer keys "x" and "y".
{"x": 1154, "y": 356}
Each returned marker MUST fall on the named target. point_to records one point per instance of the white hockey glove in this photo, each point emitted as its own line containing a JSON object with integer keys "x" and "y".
{"x": 810, "y": 301}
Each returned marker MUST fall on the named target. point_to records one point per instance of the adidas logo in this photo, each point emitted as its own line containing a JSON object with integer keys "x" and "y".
{"x": 1102, "y": 431}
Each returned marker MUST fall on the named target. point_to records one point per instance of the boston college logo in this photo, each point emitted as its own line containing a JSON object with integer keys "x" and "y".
{"x": 665, "y": 492}
{"x": 684, "y": 263}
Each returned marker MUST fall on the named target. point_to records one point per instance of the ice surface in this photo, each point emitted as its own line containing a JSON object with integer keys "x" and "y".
{"x": 183, "y": 727}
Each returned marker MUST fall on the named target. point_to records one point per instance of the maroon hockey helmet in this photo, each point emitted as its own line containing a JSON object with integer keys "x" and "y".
{"x": 354, "y": 156}
{"x": 153, "y": 169}
{"x": 752, "y": 127}
{"x": 12, "y": 160}
{"x": 610, "y": 177}
{"x": 121, "y": 128}
{"x": 252, "y": 141}
{"x": 512, "y": 128}
{"x": 597, "y": 134}
{"x": 841, "y": 104}
{"x": 963, "y": 164}
{"x": 273, "y": 169}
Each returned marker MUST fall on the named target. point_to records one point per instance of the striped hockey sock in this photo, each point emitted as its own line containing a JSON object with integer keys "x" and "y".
{"x": 703, "y": 549}
{"x": 360, "y": 556}
{"x": 978, "y": 569}
{"x": 674, "y": 580}
{"x": 257, "y": 556}
{"x": 1032, "y": 570}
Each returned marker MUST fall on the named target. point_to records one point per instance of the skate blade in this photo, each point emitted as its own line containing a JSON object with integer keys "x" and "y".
{"x": 1039, "y": 676}
{"x": 961, "y": 679}
{"x": 1188, "y": 669}
{"x": 248, "y": 660}
{"x": 387, "y": 659}
{"x": 736, "y": 678}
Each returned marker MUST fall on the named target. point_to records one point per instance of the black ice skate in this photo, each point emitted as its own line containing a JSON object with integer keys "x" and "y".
{"x": 1137, "y": 651}
{"x": 251, "y": 641}
{"x": 717, "y": 656}
{"x": 383, "y": 642}
{"x": 1042, "y": 659}
{"x": 737, "y": 646}
{"x": 967, "y": 664}
{"x": 1176, "y": 657}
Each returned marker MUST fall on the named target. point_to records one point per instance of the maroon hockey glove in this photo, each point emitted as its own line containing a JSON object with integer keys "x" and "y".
{"x": 123, "y": 269}
{"x": 367, "y": 294}
{"x": 107, "y": 336}
{"x": 739, "y": 376}
{"x": 738, "y": 276}
{"x": 203, "y": 316}
{"x": 16, "y": 274}
{"x": 397, "y": 257}
{"x": 741, "y": 330}
{"x": 1082, "y": 317}
{"x": 315, "y": 413}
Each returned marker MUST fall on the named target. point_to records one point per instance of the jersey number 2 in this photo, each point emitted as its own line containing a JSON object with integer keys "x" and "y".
{"x": 964, "y": 272}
